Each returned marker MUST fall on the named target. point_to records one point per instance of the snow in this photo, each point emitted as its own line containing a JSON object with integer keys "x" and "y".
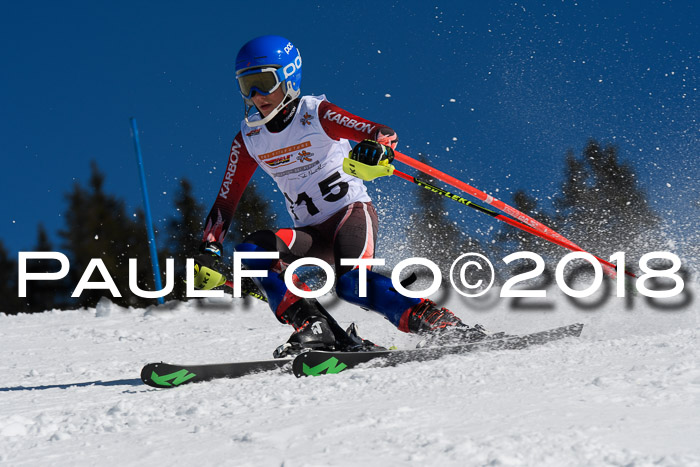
{"x": 626, "y": 393}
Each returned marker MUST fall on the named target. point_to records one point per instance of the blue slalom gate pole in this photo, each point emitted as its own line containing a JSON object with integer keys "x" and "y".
{"x": 147, "y": 209}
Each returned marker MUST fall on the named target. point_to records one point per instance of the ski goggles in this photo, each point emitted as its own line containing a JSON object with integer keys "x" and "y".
{"x": 264, "y": 81}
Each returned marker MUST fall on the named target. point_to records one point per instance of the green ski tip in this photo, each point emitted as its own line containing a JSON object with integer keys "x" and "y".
{"x": 177, "y": 378}
{"x": 330, "y": 366}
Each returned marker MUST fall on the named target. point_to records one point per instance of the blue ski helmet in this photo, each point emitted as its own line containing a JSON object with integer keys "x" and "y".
{"x": 262, "y": 65}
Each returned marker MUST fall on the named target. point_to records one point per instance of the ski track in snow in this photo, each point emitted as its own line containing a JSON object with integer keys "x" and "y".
{"x": 626, "y": 393}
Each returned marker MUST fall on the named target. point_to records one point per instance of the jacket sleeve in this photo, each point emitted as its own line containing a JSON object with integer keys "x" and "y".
{"x": 239, "y": 170}
{"x": 339, "y": 123}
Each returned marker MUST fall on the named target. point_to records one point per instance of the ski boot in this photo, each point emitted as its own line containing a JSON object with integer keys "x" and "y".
{"x": 358, "y": 344}
{"x": 440, "y": 326}
{"x": 312, "y": 330}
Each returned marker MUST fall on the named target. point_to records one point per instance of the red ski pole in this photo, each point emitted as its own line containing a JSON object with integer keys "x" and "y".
{"x": 519, "y": 225}
{"x": 609, "y": 268}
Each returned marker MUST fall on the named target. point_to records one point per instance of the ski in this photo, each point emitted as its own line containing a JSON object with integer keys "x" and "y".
{"x": 166, "y": 375}
{"x": 318, "y": 362}
{"x": 315, "y": 362}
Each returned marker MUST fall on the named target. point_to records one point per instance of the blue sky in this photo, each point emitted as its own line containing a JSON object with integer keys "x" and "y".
{"x": 494, "y": 93}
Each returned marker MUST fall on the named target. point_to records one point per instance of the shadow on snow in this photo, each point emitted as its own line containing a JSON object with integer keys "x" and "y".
{"x": 117, "y": 382}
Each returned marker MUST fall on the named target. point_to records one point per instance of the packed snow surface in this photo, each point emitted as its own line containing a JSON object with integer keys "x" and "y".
{"x": 627, "y": 392}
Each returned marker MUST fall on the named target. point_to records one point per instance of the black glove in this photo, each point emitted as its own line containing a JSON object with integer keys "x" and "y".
{"x": 370, "y": 152}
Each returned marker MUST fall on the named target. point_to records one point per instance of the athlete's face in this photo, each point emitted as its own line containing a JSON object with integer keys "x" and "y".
{"x": 267, "y": 104}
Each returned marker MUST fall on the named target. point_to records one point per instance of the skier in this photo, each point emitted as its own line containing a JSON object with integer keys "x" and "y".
{"x": 301, "y": 143}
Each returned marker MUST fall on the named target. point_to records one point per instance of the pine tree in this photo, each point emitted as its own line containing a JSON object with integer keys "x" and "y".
{"x": 184, "y": 234}
{"x": 510, "y": 239}
{"x": 97, "y": 226}
{"x": 252, "y": 214}
{"x": 430, "y": 232}
{"x": 601, "y": 206}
